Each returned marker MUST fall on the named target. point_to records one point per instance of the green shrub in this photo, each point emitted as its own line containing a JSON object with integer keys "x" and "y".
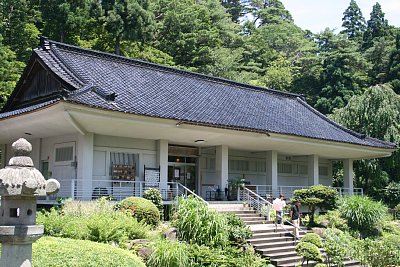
{"x": 332, "y": 219}
{"x": 239, "y": 232}
{"x": 379, "y": 253}
{"x": 197, "y": 224}
{"x": 96, "y": 225}
{"x": 313, "y": 239}
{"x": 309, "y": 252}
{"x": 53, "y": 251}
{"x": 169, "y": 254}
{"x": 317, "y": 196}
{"x": 392, "y": 194}
{"x": 338, "y": 245}
{"x": 362, "y": 213}
{"x": 155, "y": 197}
{"x": 141, "y": 209}
{"x": 202, "y": 256}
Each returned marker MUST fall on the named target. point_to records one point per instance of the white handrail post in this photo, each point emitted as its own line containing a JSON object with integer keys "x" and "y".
{"x": 269, "y": 212}
{"x": 73, "y": 189}
{"x": 177, "y": 189}
{"x": 140, "y": 188}
{"x": 238, "y": 194}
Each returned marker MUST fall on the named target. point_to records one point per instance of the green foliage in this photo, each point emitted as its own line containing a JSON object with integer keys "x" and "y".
{"x": 54, "y": 251}
{"x": 197, "y": 224}
{"x": 392, "y": 194}
{"x": 169, "y": 254}
{"x": 317, "y": 196}
{"x": 380, "y": 252}
{"x": 362, "y": 213}
{"x": 377, "y": 26}
{"x": 203, "y": 256}
{"x": 309, "y": 252}
{"x": 238, "y": 231}
{"x": 155, "y": 197}
{"x": 88, "y": 221}
{"x": 332, "y": 219}
{"x": 393, "y": 76}
{"x": 338, "y": 246}
{"x": 141, "y": 209}
{"x": 353, "y": 22}
{"x": 313, "y": 239}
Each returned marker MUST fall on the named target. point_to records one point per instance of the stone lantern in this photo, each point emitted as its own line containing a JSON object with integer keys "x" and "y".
{"x": 20, "y": 184}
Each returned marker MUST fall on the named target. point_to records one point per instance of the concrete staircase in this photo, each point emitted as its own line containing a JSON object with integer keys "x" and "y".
{"x": 275, "y": 243}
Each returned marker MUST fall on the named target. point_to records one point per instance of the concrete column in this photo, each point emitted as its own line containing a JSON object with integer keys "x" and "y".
{"x": 313, "y": 170}
{"x": 162, "y": 159}
{"x": 221, "y": 166}
{"x": 348, "y": 175}
{"x": 85, "y": 165}
{"x": 272, "y": 171}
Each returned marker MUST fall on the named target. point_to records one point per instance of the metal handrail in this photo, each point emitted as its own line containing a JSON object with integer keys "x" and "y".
{"x": 250, "y": 200}
{"x": 187, "y": 190}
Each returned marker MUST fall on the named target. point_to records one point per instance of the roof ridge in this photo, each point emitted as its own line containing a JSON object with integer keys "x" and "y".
{"x": 172, "y": 69}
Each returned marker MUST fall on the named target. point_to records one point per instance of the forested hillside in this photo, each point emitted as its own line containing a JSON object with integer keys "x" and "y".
{"x": 251, "y": 41}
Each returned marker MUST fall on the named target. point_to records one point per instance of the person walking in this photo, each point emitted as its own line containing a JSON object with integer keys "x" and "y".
{"x": 295, "y": 217}
{"x": 278, "y": 205}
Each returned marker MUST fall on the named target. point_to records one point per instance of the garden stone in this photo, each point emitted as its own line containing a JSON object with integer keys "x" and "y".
{"x": 20, "y": 184}
{"x": 319, "y": 231}
{"x": 171, "y": 234}
{"x": 142, "y": 248}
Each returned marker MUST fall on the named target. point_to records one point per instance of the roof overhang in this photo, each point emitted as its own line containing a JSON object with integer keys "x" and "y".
{"x": 65, "y": 118}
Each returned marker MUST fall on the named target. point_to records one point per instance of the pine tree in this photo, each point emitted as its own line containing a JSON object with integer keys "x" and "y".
{"x": 377, "y": 26}
{"x": 393, "y": 76}
{"x": 353, "y": 22}
{"x": 234, "y": 8}
{"x": 268, "y": 12}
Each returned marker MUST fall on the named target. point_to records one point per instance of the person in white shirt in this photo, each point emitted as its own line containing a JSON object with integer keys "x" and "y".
{"x": 278, "y": 204}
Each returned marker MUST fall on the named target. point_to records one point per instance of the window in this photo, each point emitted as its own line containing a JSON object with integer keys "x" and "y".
{"x": 64, "y": 153}
{"x": 285, "y": 168}
{"x": 323, "y": 170}
{"x": 302, "y": 169}
{"x": 238, "y": 165}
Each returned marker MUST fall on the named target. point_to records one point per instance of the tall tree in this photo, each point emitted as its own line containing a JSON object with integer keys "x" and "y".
{"x": 234, "y": 8}
{"x": 10, "y": 70}
{"x": 268, "y": 11}
{"x": 353, "y": 22}
{"x": 18, "y": 27}
{"x": 393, "y": 76}
{"x": 375, "y": 113}
{"x": 377, "y": 26}
{"x": 128, "y": 20}
{"x": 344, "y": 72}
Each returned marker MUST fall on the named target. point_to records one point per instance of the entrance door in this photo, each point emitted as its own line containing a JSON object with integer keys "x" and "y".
{"x": 182, "y": 170}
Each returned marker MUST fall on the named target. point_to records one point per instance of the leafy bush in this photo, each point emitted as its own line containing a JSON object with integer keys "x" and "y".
{"x": 362, "y": 213}
{"x": 392, "y": 194}
{"x": 332, "y": 219}
{"x": 239, "y": 232}
{"x": 313, "y": 239}
{"x": 88, "y": 223}
{"x": 53, "y": 251}
{"x": 197, "y": 224}
{"x": 141, "y": 209}
{"x": 202, "y": 256}
{"x": 169, "y": 254}
{"x": 379, "y": 253}
{"x": 338, "y": 245}
{"x": 317, "y": 196}
{"x": 155, "y": 197}
{"x": 309, "y": 252}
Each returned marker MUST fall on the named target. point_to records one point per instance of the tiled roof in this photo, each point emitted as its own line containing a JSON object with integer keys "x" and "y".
{"x": 27, "y": 109}
{"x": 116, "y": 83}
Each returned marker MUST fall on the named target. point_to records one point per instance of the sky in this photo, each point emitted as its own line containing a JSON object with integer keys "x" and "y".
{"x": 316, "y": 15}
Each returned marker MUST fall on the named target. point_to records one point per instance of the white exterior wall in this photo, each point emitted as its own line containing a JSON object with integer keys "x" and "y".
{"x": 252, "y": 167}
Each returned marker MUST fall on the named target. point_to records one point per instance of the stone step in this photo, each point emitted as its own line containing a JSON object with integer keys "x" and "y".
{"x": 272, "y": 250}
{"x": 252, "y": 218}
{"x": 287, "y": 260}
{"x": 260, "y": 243}
{"x": 254, "y": 222}
{"x": 267, "y": 246}
{"x": 281, "y": 254}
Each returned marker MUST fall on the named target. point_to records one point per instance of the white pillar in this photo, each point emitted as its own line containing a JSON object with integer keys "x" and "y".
{"x": 162, "y": 159}
{"x": 221, "y": 166}
{"x": 272, "y": 171}
{"x": 84, "y": 157}
{"x": 313, "y": 170}
{"x": 348, "y": 175}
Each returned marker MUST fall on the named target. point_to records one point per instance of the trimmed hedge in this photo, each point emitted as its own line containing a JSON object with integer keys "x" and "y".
{"x": 53, "y": 251}
{"x": 141, "y": 209}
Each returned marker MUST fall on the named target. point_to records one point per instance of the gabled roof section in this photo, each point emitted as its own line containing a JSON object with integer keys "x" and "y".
{"x": 111, "y": 82}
